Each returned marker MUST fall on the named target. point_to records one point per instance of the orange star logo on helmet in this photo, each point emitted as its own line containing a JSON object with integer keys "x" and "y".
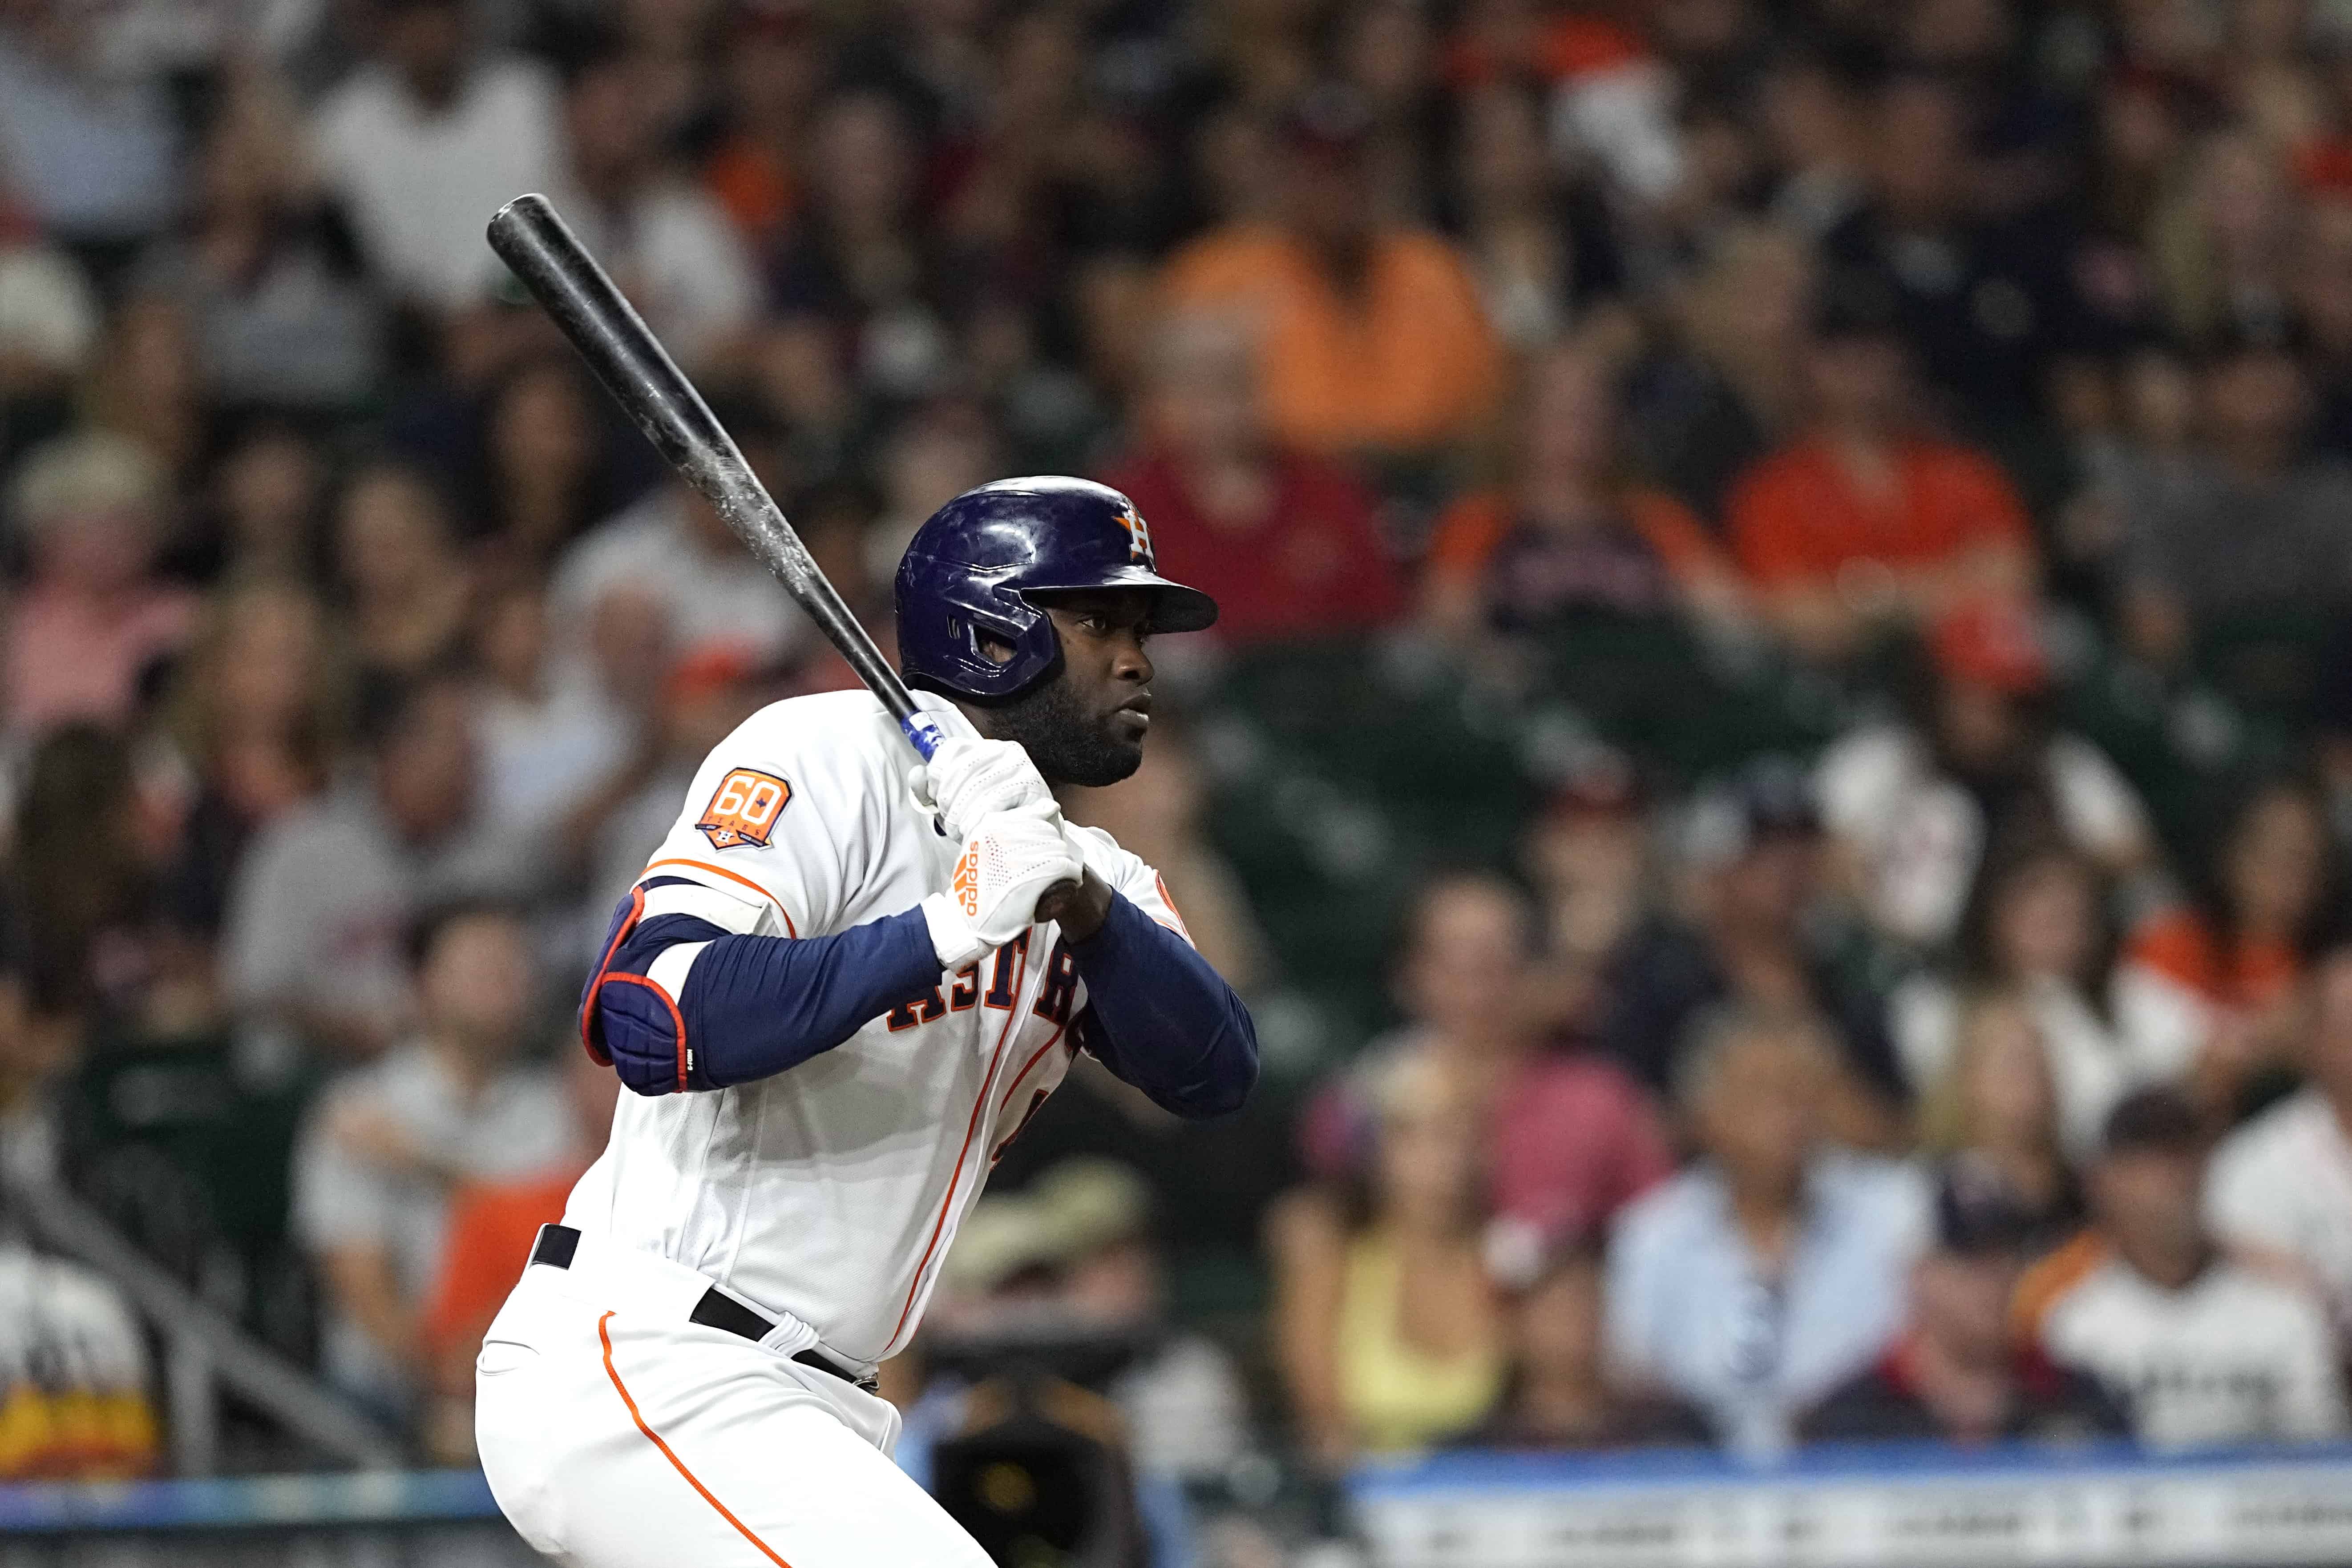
{"x": 1139, "y": 536}
{"x": 966, "y": 883}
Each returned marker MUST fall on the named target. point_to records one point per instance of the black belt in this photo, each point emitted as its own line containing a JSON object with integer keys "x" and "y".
{"x": 716, "y": 1310}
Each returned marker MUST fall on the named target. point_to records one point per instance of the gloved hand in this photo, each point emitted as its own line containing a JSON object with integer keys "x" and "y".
{"x": 1006, "y": 865}
{"x": 968, "y": 777}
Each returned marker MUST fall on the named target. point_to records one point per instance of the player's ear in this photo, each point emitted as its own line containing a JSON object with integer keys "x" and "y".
{"x": 997, "y": 652}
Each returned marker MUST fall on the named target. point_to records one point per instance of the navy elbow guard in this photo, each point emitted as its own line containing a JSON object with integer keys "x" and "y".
{"x": 627, "y": 1021}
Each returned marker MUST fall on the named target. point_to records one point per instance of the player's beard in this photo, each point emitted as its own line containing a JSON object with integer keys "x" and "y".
{"x": 1068, "y": 745}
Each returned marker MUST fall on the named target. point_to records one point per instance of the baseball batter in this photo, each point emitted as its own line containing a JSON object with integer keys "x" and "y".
{"x": 844, "y": 981}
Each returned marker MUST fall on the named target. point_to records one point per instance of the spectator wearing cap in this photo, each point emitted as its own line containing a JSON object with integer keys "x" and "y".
{"x": 1559, "y": 1395}
{"x": 1567, "y": 1139}
{"x": 1370, "y": 336}
{"x": 1570, "y": 532}
{"x": 2212, "y": 981}
{"x": 2248, "y": 543}
{"x": 1756, "y": 930}
{"x": 1956, "y": 1372}
{"x": 2205, "y": 1349}
{"x": 1589, "y": 855}
{"x": 94, "y": 618}
{"x": 1911, "y": 807}
{"x": 427, "y": 139}
{"x": 1288, "y": 542}
{"x": 1770, "y": 1270}
{"x": 2281, "y": 1185}
{"x": 1867, "y": 519}
{"x": 375, "y": 1167}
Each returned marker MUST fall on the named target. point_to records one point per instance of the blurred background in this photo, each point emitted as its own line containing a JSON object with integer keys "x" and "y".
{"x": 1776, "y": 769}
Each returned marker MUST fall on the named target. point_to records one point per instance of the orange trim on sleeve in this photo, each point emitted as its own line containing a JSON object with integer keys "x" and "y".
{"x": 677, "y": 1464}
{"x": 731, "y": 876}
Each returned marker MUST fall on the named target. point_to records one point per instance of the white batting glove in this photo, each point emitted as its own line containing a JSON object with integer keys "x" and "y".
{"x": 1006, "y": 865}
{"x": 968, "y": 778}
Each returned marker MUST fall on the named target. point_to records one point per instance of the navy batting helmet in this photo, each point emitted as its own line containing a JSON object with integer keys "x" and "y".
{"x": 969, "y": 569}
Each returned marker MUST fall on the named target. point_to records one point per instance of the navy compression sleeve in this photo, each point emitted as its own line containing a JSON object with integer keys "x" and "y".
{"x": 752, "y": 1006}
{"x": 1159, "y": 1017}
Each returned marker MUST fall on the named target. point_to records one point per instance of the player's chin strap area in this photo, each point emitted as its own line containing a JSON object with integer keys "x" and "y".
{"x": 558, "y": 1245}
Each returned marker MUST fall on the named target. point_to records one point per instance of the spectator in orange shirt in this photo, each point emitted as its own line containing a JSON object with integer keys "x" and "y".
{"x": 1286, "y": 541}
{"x": 2215, "y": 981}
{"x": 492, "y": 1224}
{"x": 772, "y": 70}
{"x": 1369, "y": 335}
{"x": 1866, "y": 518}
{"x": 1570, "y": 530}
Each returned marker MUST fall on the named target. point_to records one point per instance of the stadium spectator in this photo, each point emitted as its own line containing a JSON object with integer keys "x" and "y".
{"x": 1725, "y": 386}
{"x": 1765, "y": 1275}
{"x": 2204, "y": 1349}
{"x": 1287, "y": 543}
{"x": 2247, "y": 535}
{"x": 1589, "y": 854}
{"x": 396, "y": 553}
{"x": 1571, "y": 533}
{"x": 1370, "y": 336}
{"x": 1558, "y": 1396}
{"x": 2036, "y": 932}
{"x": 1996, "y": 1107}
{"x": 93, "y": 153}
{"x": 93, "y": 618}
{"x": 258, "y": 713}
{"x": 493, "y": 1221}
{"x": 545, "y": 469}
{"x": 1755, "y": 932}
{"x": 1910, "y": 806}
{"x": 1956, "y": 1372}
{"x": 49, "y": 323}
{"x": 1867, "y": 519}
{"x": 73, "y": 1375}
{"x": 2281, "y": 1185}
{"x": 770, "y": 77}
{"x": 665, "y": 240}
{"x": 427, "y": 139}
{"x": 554, "y": 731}
{"x": 2212, "y": 981}
{"x": 311, "y": 950}
{"x": 672, "y": 549}
{"x": 1984, "y": 304}
{"x": 1542, "y": 248}
{"x": 1566, "y": 1140}
{"x": 1386, "y": 1332}
{"x": 385, "y": 1146}
{"x": 268, "y": 494}
{"x": 267, "y": 285}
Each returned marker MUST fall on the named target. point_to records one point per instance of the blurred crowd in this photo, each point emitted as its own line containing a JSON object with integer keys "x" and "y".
{"x": 1960, "y": 360}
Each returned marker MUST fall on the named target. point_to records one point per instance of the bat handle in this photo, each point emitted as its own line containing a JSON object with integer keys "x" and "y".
{"x": 923, "y": 732}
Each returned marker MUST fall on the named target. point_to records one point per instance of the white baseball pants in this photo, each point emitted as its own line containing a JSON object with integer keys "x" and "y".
{"x": 617, "y": 1433}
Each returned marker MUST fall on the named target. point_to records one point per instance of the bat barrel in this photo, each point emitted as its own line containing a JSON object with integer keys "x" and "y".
{"x": 549, "y": 260}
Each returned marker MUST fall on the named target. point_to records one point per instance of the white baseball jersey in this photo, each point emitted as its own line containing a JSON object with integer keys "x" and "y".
{"x": 831, "y": 1191}
{"x": 2233, "y": 1357}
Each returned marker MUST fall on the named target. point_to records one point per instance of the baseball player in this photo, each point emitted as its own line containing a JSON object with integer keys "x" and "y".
{"x": 844, "y": 982}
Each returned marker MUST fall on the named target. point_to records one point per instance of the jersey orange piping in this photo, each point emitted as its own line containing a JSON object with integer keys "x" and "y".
{"x": 987, "y": 1088}
{"x": 789, "y": 928}
{"x": 675, "y": 1463}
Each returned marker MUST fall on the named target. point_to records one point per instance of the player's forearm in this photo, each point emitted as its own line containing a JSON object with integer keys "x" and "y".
{"x": 747, "y": 1007}
{"x": 1162, "y": 1018}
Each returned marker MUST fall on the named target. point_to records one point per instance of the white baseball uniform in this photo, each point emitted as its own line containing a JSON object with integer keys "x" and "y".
{"x": 618, "y": 1434}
